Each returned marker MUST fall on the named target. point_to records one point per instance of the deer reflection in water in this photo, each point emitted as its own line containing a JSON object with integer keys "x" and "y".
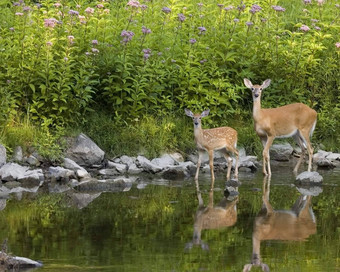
{"x": 212, "y": 217}
{"x": 296, "y": 224}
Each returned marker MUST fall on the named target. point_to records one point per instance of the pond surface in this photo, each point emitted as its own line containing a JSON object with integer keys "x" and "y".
{"x": 161, "y": 226}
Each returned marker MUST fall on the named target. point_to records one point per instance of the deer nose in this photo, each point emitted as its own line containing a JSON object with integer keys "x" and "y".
{"x": 256, "y": 95}
{"x": 196, "y": 123}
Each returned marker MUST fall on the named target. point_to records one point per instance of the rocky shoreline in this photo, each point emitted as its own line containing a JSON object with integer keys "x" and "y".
{"x": 85, "y": 168}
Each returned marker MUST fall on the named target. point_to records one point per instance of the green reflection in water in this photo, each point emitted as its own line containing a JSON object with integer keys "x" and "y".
{"x": 149, "y": 229}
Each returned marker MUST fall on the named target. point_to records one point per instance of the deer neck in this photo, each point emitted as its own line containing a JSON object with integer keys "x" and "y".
{"x": 198, "y": 132}
{"x": 257, "y": 108}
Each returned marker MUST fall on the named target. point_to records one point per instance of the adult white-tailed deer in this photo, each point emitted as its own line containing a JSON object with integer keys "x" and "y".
{"x": 212, "y": 217}
{"x": 293, "y": 120}
{"x": 221, "y": 138}
{"x": 296, "y": 224}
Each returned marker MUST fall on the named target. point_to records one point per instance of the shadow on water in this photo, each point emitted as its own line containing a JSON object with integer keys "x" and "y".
{"x": 180, "y": 226}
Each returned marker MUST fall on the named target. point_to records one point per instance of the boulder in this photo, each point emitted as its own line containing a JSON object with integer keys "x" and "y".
{"x": 325, "y": 163}
{"x": 310, "y": 190}
{"x": 281, "y": 152}
{"x": 119, "y": 167}
{"x": 333, "y": 157}
{"x": 17, "y": 263}
{"x": 147, "y": 165}
{"x": 108, "y": 172}
{"x": 72, "y": 165}
{"x": 111, "y": 185}
{"x": 127, "y": 160}
{"x": 85, "y": 152}
{"x": 321, "y": 154}
{"x": 32, "y": 160}
{"x": 12, "y": 171}
{"x": 82, "y": 200}
{"x": 3, "y": 155}
{"x": 134, "y": 169}
{"x": 32, "y": 178}
{"x": 59, "y": 174}
{"x": 309, "y": 178}
{"x": 164, "y": 161}
{"x": 3, "y": 203}
{"x": 17, "y": 154}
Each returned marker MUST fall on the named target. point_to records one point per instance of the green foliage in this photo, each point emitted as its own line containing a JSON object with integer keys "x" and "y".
{"x": 60, "y": 57}
{"x": 149, "y": 135}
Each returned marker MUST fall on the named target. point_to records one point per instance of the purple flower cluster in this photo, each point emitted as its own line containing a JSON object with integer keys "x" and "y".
{"x": 51, "y": 22}
{"x": 241, "y": 7}
{"x": 192, "y": 41}
{"x": 146, "y": 30}
{"x": 249, "y": 23}
{"x": 73, "y": 12}
{"x": 166, "y": 10}
{"x": 255, "y": 8}
{"x": 337, "y": 45}
{"x": 147, "y": 53}
{"x": 202, "y": 29}
{"x": 228, "y": 8}
{"x": 181, "y": 17}
{"x": 133, "y": 4}
{"x": 127, "y": 36}
{"x": 279, "y": 8}
{"x": 304, "y": 28}
{"x": 307, "y": 2}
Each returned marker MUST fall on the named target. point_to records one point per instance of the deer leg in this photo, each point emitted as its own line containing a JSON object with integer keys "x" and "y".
{"x": 305, "y": 137}
{"x": 297, "y": 137}
{"x": 229, "y": 162}
{"x": 211, "y": 164}
{"x": 266, "y": 157}
{"x": 235, "y": 151}
{"x": 200, "y": 154}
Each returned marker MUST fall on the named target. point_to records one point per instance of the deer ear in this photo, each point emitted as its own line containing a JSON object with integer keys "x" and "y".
{"x": 266, "y": 83}
{"x": 189, "y": 113}
{"x": 248, "y": 83}
{"x": 205, "y": 113}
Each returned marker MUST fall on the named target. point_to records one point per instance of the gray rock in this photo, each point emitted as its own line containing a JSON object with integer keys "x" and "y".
{"x": 111, "y": 185}
{"x": 134, "y": 170}
{"x": 60, "y": 174}
{"x": 32, "y": 178}
{"x": 32, "y": 160}
{"x": 177, "y": 157}
{"x": 72, "y": 165}
{"x": 17, "y": 154}
{"x": 3, "y": 155}
{"x": 12, "y": 171}
{"x": 333, "y": 156}
{"x": 3, "y": 203}
{"x": 58, "y": 188}
{"x": 281, "y": 152}
{"x": 127, "y": 160}
{"x": 85, "y": 152}
{"x": 18, "y": 262}
{"x": 82, "y": 200}
{"x": 164, "y": 161}
{"x": 310, "y": 191}
{"x": 309, "y": 178}
{"x": 325, "y": 163}
{"x": 147, "y": 165}
{"x": 321, "y": 154}
{"x": 121, "y": 168}
{"x": 108, "y": 172}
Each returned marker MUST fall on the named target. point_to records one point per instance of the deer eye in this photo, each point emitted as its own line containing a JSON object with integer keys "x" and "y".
{"x": 260, "y": 89}
{"x": 252, "y": 89}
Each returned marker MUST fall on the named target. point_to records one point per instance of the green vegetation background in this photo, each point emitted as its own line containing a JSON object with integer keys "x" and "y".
{"x": 123, "y": 71}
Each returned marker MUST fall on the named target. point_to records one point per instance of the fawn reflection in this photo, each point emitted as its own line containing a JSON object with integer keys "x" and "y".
{"x": 296, "y": 224}
{"x": 224, "y": 214}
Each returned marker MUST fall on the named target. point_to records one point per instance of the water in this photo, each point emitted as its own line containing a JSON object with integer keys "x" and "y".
{"x": 151, "y": 228}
